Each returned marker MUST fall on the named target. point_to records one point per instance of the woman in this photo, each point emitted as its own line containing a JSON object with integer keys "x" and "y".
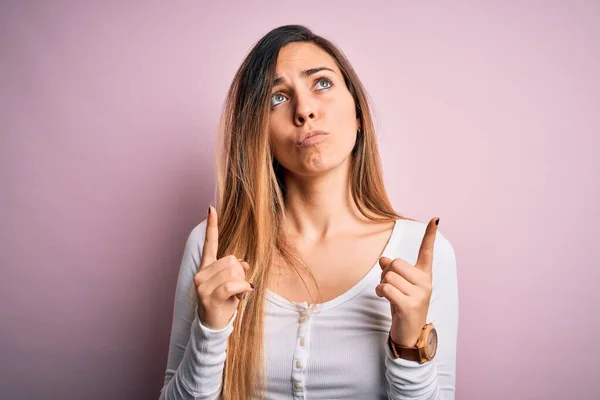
{"x": 306, "y": 283}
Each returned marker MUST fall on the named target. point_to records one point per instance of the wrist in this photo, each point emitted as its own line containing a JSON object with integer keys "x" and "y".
{"x": 403, "y": 342}
{"x": 424, "y": 350}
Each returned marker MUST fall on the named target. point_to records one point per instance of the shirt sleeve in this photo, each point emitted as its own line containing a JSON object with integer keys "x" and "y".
{"x": 196, "y": 353}
{"x": 436, "y": 379}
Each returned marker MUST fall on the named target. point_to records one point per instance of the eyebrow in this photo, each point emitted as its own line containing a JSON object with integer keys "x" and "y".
{"x": 305, "y": 73}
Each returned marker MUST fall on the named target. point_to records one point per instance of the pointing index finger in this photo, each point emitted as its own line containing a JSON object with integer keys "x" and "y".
{"x": 211, "y": 239}
{"x": 425, "y": 259}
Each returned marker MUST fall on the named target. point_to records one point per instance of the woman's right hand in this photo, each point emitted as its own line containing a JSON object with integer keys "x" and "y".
{"x": 220, "y": 284}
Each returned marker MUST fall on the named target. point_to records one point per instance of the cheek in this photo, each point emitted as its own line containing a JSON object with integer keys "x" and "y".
{"x": 277, "y": 147}
{"x": 277, "y": 140}
{"x": 344, "y": 114}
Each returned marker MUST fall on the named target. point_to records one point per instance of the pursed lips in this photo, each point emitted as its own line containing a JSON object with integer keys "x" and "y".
{"x": 309, "y": 135}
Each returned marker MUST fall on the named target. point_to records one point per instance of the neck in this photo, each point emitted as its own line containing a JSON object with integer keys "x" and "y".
{"x": 320, "y": 206}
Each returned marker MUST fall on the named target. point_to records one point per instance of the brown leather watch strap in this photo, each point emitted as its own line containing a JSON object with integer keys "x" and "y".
{"x": 411, "y": 354}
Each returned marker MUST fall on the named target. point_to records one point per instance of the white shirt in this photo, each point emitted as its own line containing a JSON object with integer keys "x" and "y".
{"x": 335, "y": 350}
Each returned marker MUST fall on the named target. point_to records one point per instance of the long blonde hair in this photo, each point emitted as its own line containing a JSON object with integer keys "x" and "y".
{"x": 251, "y": 195}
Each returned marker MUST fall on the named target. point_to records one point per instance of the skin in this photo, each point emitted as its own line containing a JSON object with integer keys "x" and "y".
{"x": 408, "y": 289}
{"x": 322, "y": 219}
{"x": 338, "y": 243}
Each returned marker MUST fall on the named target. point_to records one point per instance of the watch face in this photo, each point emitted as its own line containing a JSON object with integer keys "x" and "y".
{"x": 432, "y": 340}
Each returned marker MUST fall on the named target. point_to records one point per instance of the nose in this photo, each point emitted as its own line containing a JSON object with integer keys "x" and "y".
{"x": 305, "y": 110}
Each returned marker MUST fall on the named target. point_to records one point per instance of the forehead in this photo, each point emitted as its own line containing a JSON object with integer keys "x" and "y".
{"x": 299, "y": 56}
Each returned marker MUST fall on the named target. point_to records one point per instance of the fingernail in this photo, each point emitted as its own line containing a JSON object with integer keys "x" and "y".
{"x": 437, "y": 221}
{"x": 252, "y": 286}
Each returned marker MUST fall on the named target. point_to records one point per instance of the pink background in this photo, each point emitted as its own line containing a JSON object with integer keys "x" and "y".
{"x": 487, "y": 113}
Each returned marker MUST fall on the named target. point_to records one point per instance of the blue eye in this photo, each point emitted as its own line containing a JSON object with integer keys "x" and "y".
{"x": 323, "y": 83}
{"x": 277, "y": 96}
{"x": 325, "y": 80}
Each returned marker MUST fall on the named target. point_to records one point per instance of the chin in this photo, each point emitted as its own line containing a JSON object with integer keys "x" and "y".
{"x": 322, "y": 166}
{"x": 320, "y": 159}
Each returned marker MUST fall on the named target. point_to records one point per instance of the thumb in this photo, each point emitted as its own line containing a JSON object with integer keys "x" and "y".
{"x": 384, "y": 262}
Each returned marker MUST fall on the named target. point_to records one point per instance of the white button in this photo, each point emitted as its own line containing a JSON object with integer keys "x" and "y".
{"x": 297, "y": 385}
{"x": 298, "y": 364}
{"x": 302, "y": 341}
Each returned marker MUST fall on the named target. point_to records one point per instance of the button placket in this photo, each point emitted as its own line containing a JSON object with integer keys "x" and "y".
{"x": 301, "y": 353}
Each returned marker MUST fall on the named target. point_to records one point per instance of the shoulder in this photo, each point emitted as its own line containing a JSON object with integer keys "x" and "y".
{"x": 197, "y": 234}
{"x": 193, "y": 248}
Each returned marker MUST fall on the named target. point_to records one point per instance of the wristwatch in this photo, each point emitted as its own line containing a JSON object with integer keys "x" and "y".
{"x": 423, "y": 351}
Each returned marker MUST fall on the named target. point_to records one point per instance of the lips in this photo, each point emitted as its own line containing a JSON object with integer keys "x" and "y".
{"x": 310, "y": 134}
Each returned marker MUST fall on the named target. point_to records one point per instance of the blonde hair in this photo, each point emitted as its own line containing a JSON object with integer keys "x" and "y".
{"x": 251, "y": 196}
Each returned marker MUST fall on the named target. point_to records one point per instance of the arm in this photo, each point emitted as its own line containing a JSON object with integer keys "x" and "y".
{"x": 196, "y": 353}
{"x": 434, "y": 380}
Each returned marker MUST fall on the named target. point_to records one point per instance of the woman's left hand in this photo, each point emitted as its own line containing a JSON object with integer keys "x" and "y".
{"x": 408, "y": 289}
